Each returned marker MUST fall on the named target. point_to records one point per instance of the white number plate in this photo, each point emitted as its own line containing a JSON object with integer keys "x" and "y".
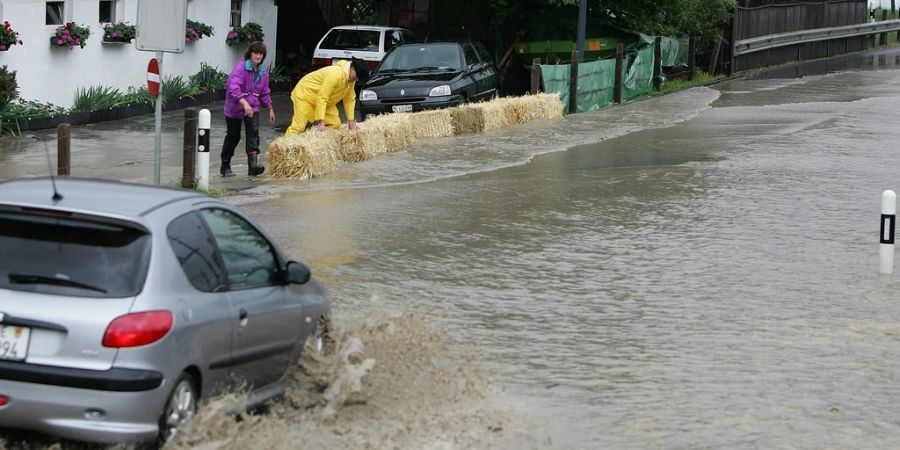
{"x": 14, "y": 342}
{"x": 402, "y": 108}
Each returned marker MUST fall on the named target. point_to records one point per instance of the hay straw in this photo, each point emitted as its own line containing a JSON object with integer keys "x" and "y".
{"x": 397, "y": 129}
{"x": 496, "y": 113}
{"x": 432, "y": 123}
{"x": 467, "y": 120}
{"x": 305, "y": 155}
{"x": 361, "y": 144}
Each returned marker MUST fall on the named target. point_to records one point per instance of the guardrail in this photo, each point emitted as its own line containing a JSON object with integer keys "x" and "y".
{"x": 768, "y": 42}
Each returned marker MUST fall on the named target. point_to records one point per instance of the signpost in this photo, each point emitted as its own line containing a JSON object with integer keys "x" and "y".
{"x": 160, "y": 28}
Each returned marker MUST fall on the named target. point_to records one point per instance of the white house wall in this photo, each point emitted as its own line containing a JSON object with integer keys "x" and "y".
{"x": 50, "y": 74}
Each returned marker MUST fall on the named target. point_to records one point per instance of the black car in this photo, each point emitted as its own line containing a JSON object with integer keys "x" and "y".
{"x": 414, "y": 77}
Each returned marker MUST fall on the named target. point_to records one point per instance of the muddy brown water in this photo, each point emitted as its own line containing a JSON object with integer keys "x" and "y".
{"x": 694, "y": 270}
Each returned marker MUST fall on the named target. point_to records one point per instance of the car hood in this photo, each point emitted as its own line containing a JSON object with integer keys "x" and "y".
{"x": 413, "y": 84}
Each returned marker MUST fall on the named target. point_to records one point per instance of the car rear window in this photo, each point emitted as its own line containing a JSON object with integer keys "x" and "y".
{"x": 72, "y": 257}
{"x": 362, "y": 40}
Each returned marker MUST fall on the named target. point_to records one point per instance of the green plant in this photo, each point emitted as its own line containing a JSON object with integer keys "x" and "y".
{"x": 28, "y": 109}
{"x": 118, "y": 32}
{"x": 96, "y": 98}
{"x": 8, "y": 37}
{"x": 194, "y": 31}
{"x": 70, "y": 35}
{"x": 250, "y": 32}
{"x": 279, "y": 73}
{"x": 9, "y": 88}
{"x": 137, "y": 96}
{"x": 209, "y": 78}
{"x": 175, "y": 87}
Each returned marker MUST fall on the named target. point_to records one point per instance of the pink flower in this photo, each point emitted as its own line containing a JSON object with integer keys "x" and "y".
{"x": 20, "y": 42}
{"x": 59, "y": 42}
{"x": 113, "y": 34}
{"x": 2, "y": 47}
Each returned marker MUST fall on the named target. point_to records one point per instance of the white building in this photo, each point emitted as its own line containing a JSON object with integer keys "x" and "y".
{"x": 50, "y": 74}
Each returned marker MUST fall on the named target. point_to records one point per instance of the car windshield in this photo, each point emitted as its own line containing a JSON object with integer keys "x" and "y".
{"x": 363, "y": 40}
{"x": 65, "y": 256}
{"x": 431, "y": 57}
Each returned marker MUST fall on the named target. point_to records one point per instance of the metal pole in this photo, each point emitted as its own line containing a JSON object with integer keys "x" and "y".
{"x": 573, "y": 84}
{"x": 582, "y": 21}
{"x": 888, "y": 223}
{"x": 203, "y": 125}
{"x": 190, "y": 147}
{"x": 535, "y": 76}
{"x": 63, "y": 143}
{"x": 158, "y": 123}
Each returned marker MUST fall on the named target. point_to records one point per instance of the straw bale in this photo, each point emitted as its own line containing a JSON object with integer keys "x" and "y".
{"x": 361, "y": 144}
{"x": 433, "y": 123}
{"x": 397, "y": 129}
{"x": 306, "y": 155}
{"x": 467, "y": 119}
{"x": 497, "y": 113}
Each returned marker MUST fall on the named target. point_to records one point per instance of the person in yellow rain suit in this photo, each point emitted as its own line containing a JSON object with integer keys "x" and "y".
{"x": 316, "y": 96}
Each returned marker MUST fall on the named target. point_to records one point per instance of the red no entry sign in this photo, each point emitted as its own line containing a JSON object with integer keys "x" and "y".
{"x": 153, "y": 77}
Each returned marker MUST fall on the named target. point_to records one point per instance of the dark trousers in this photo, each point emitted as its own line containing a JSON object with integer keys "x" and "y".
{"x": 233, "y": 135}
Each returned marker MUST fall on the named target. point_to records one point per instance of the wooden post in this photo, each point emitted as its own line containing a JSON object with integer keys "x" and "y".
{"x": 573, "y": 84}
{"x": 884, "y": 36}
{"x": 535, "y": 76}
{"x": 692, "y": 55}
{"x": 714, "y": 60}
{"x": 63, "y": 145}
{"x": 620, "y": 66}
{"x": 657, "y": 63}
{"x": 190, "y": 148}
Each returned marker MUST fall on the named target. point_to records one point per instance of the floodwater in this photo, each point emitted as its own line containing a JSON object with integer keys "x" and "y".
{"x": 693, "y": 270}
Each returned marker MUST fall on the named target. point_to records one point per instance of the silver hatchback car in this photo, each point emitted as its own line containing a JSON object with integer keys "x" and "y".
{"x": 122, "y": 304}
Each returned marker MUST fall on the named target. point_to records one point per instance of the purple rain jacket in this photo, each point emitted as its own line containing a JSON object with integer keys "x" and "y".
{"x": 245, "y": 83}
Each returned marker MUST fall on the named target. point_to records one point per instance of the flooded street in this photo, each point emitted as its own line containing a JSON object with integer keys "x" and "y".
{"x": 696, "y": 270}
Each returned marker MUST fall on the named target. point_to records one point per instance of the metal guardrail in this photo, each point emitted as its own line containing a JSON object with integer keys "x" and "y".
{"x": 768, "y": 42}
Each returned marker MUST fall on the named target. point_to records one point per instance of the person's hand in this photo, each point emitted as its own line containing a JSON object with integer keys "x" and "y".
{"x": 271, "y": 116}
{"x": 320, "y": 124}
{"x": 351, "y": 124}
{"x": 248, "y": 110}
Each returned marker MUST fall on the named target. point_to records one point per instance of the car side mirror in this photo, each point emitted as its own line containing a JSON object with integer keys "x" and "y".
{"x": 297, "y": 273}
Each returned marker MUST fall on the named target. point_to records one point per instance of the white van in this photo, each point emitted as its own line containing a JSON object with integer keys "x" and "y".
{"x": 368, "y": 43}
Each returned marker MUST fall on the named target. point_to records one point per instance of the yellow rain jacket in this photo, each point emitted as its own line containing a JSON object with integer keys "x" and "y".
{"x": 316, "y": 96}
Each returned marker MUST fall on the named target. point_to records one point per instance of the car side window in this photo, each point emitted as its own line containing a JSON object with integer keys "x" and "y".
{"x": 471, "y": 56}
{"x": 197, "y": 253}
{"x": 249, "y": 259}
{"x": 392, "y": 39}
{"x": 483, "y": 54}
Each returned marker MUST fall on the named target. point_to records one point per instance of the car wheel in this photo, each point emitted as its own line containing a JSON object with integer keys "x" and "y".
{"x": 180, "y": 408}
{"x": 323, "y": 336}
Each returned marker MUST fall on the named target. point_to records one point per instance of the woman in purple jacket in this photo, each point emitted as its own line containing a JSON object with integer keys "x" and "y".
{"x": 246, "y": 91}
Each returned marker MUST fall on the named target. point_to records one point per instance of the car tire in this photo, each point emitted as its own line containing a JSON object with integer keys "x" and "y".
{"x": 322, "y": 338}
{"x": 180, "y": 408}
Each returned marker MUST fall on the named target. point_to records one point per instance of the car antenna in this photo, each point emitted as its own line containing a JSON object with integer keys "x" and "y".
{"x": 56, "y": 195}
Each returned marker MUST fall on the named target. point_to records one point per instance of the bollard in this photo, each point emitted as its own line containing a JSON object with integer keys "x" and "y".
{"x": 888, "y": 222}
{"x": 190, "y": 148}
{"x": 203, "y": 124}
{"x": 63, "y": 144}
{"x": 535, "y": 76}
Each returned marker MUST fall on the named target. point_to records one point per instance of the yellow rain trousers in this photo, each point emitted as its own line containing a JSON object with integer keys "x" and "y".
{"x": 316, "y": 96}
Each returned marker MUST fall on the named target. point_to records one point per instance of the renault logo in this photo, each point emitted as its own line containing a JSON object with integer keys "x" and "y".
{"x": 402, "y": 92}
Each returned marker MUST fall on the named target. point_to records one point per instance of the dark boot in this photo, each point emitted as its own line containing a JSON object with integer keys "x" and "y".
{"x": 225, "y": 170}
{"x": 253, "y": 167}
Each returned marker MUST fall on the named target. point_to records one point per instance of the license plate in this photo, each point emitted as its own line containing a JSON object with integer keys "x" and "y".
{"x": 402, "y": 108}
{"x": 14, "y": 342}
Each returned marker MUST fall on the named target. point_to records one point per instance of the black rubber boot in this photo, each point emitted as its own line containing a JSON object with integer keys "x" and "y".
{"x": 225, "y": 170}
{"x": 253, "y": 167}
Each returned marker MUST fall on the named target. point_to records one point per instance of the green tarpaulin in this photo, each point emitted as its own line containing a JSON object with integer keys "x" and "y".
{"x": 596, "y": 81}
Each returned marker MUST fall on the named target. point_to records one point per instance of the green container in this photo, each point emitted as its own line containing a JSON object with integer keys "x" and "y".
{"x": 554, "y": 52}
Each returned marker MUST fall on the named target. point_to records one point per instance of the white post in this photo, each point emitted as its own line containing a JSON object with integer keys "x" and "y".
{"x": 888, "y": 222}
{"x": 203, "y": 124}
{"x": 157, "y": 143}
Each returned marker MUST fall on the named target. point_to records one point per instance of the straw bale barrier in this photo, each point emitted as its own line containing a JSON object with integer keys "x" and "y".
{"x": 306, "y": 155}
{"x": 432, "y": 123}
{"x": 316, "y": 153}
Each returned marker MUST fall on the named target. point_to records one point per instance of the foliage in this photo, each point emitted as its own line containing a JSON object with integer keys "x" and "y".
{"x": 96, "y": 98}
{"x": 70, "y": 35}
{"x": 28, "y": 109}
{"x": 8, "y": 37}
{"x": 701, "y": 78}
{"x": 209, "y": 78}
{"x": 659, "y": 16}
{"x": 118, "y": 32}
{"x": 175, "y": 87}
{"x": 243, "y": 35}
{"x": 9, "y": 88}
{"x": 194, "y": 31}
{"x": 138, "y": 96}
{"x": 279, "y": 73}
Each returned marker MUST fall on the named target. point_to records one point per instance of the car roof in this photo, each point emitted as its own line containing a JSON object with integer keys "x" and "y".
{"x": 96, "y": 196}
{"x": 365, "y": 27}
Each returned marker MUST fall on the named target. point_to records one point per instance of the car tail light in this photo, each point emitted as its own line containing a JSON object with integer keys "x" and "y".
{"x": 372, "y": 64}
{"x": 321, "y": 61}
{"x": 136, "y": 329}
{"x": 3, "y": 400}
